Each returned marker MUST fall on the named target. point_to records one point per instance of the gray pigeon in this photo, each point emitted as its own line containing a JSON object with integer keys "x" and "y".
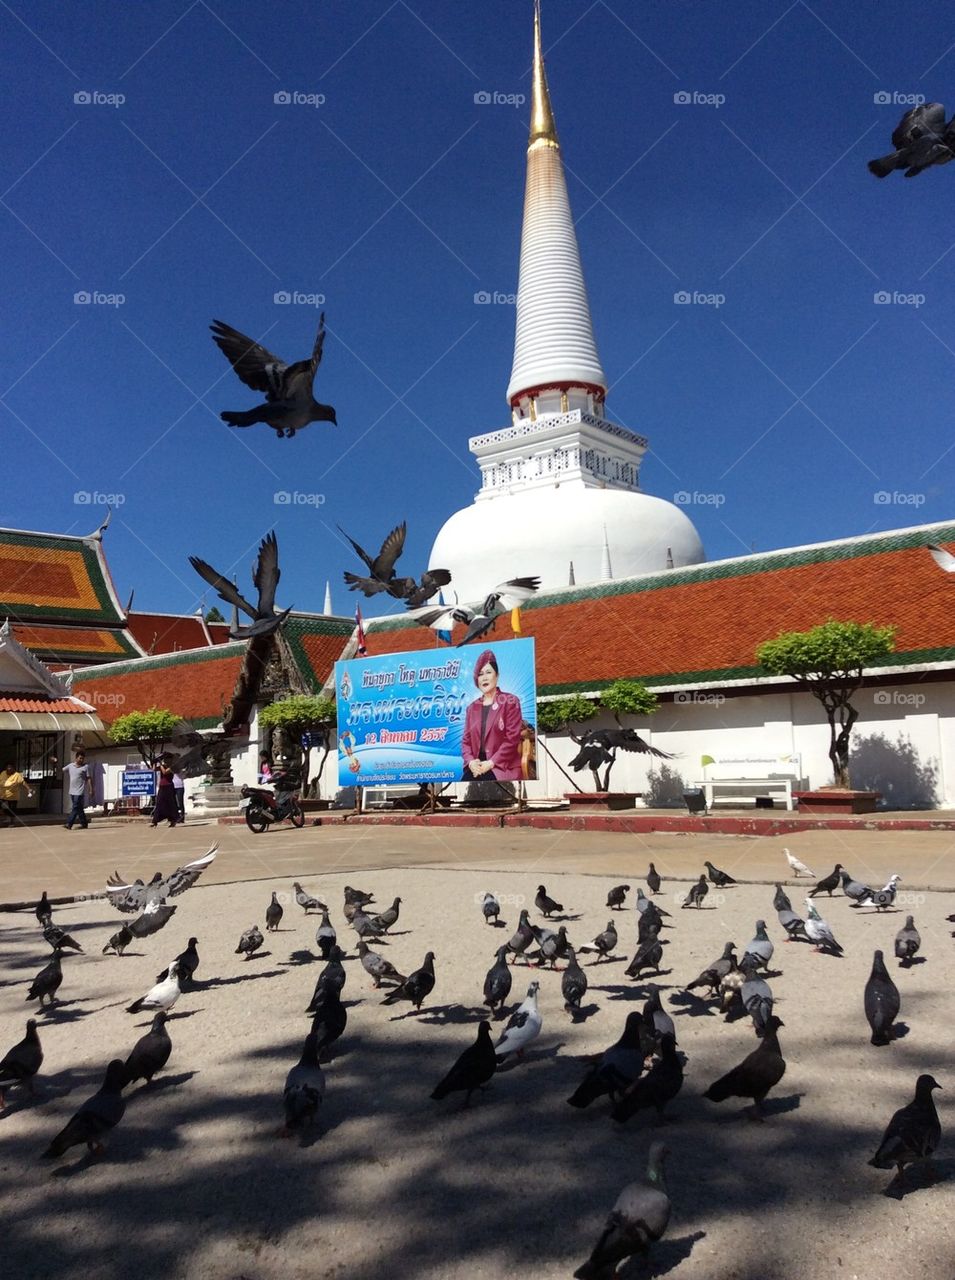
{"x": 305, "y": 899}
{"x": 151, "y": 1052}
{"x": 265, "y": 579}
{"x": 505, "y": 597}
{"x": 546, "y": 905}
{"x": 713, "y": 974}
{"x": 819, "y": 931}
{"x": 119, "y": 941}
{"x": 522, "y": 939}
{"x": 761, "y": 948}
{"x": 100, "y": 1113}
{"x": 58, "y": 937}
{"x": 696, "y": 895}
{"x": 365, "y": 926}
{"x": 921, "y": 139}
{"x": 304, "y": 1088}
{"x": 913, "y": 1133}
{"x": 720, "y": 878}
{"x": 781, "y": 900}
{"x": 47, "y": 982}
{"x": 648, "y": 956}
{"x": 21, "y": 1063}
{"x": 604, "y": 943}
{"x": 854, "y": 889}
{"x": 497, "y": 984}
{"x": 385, "y": 919}
{"x": 273, "y": 914}
{"x": 331, "y": 977}
{"x": 250, "y": 942}
{"x": 756, "y": 995}
{"x": 653, "y": 879}
{"x": 907, "y": 942}
{"x": 416, "y": 987}
{"x": 643, "y": 904}
{"x": 573, "y": 983}
{"x": 618, "y": 1067}
{"x": 325, "y": 935}
{"x": 289, "y": 403}
{"x": 329, "y": 1019}
{"x": 882, "y": 1001}
{"x": 637, "y": 1220}
{"x": 377, "y": 967}
{"x": 794, "y": 925}
{"x": 491, "y": 908}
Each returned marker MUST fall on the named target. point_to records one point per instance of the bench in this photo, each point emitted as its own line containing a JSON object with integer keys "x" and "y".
{"x": 746, "y": 788}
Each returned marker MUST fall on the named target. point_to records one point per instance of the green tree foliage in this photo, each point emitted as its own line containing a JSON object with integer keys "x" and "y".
{"x": 554, "y": 717}
{"x": 622, "y": 698}
{"x": 829, "y": 661}
{"x": 149, "y": 730}
{"x": 300, "y": 714}
{"x": 214, "y": 615}
{"x": 629, "y": 698}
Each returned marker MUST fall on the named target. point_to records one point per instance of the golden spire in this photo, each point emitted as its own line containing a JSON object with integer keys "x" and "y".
{"x": 543, "y": 128}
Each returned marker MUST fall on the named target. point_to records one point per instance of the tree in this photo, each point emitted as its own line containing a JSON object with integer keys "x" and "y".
{"x": 623, "y": 697}
{"x": 829, "y": 661}
{"x": 214, "y": 615}
{"x": 298, "y": 715}
{"x": 150, "y": 730}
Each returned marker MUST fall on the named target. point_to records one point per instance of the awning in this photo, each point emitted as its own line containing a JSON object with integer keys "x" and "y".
{"x": 50, "y": 721}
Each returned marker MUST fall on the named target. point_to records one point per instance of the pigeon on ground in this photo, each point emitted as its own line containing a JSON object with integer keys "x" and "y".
{"x": 819, "y": 932}
{"x": 119, "y": 941}
{"x": 377, "y": 967}
{"x": 522, "y": 939}
{"x": 187, "y": 962}
{"x": 305, "y": 899}
{"x": 604, "y": 942}
{"x": 637, "y": 1220}
{"x": 714, "y": 974}
{"x": 756, "y": 1074}
{"x": 907, "y": 942}
{"x": 273, "y": 914}
{"x": 761, "y": 948}
{"x": 718, "y": 877}
{"x": 656, "y": 1020}
{"x": 854, "y": 889}
{"x": 617, "y": 1068}
{"x": 350, "y": 910}
{"x": 913, "y": 1133}
{"x": 573, "y": 983}
{"x": 553, "y": 946}
{"x": 385, "y": 919}
{"x": 491, "y": 908}
{"x": 358, "y": 896}
{"x": 546, "y": 906}
{"x": 100, "y": 1113}
{"x": 659, "y": 1086}
{"x": 616, "y": 897}
{"x": 756, "y": 995}
{"x": 828, "y": 883}
{"x": 648, "y": 956}
{"x": 645, "y": 906}
{"x": 325, "y": 935}
{"x": 289, "y": 403}
{"x": 798, "y": 867}
{"x": 365, "y": 925}
{"x": 139, "y": 897}
{"x": 417, "y": 986}
{"x": 653, "y": 879}
{"x": 329, "y": 1019}
{"x": 883, "y": 898}
{"x": 58, "y": 937}
{"x": 794, "y": 925}
{"x": 472, "y": 1070}
{"x": 43, "y": 909}
{"x": 304, "y": 1089}
{"x": 21, "y": 1063}
{"x": 162, "y": 996}
{"x": 781, "y": 899}
{"x": 921, "y": 139}
{"x": 649, "y": 922}
{"x": 523, "y": 1026}
{"x": 250, "y": 942}
{"x": 47, "y": 982}
{"x": 331, "y": 977}
{"x": 882, "y": 1001}
{"x": 504, "y": 598}
{"x": 497, "y": 983}
{"x": 731, "y": 984}
{"x": 696, "y": 895}
{"x": 150, "y": 1052}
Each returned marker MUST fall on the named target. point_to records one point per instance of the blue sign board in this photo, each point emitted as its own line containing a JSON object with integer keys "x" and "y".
{"x": 437, "y": 715}
{"x": 139, "y": 782}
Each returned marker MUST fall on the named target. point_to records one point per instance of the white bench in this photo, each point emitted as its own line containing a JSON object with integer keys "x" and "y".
{"x": 745, "y": 788}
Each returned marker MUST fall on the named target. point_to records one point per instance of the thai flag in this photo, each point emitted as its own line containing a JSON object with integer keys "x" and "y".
{"x": 443, "y": 635}
{"x": 362, "y": 650}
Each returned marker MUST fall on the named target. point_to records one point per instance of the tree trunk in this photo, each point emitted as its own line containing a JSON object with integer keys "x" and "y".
{"x": 606, "y": 785}
{"x": 841, "y": 716}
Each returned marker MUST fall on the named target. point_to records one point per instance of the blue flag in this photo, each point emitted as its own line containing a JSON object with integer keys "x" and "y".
{"x": 443, "y": 635}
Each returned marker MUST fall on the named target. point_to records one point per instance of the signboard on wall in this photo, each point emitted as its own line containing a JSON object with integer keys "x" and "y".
{"x": 139, "y": 782}
{"x": 437, "y": 715}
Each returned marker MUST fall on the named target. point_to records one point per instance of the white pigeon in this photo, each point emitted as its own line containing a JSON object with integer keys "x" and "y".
{"x": 884, "y": 897}
{"x": 162, "y": 996}
{"x": 819, "y": 932}
{"x": 522, "y": 1028}
{"x": 800, "y": 868}
{"x": 944, "y": 559}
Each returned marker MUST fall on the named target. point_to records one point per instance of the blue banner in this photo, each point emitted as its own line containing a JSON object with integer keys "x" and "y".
{"x": 438, "y": 715}
{"x": 139, "y": 782}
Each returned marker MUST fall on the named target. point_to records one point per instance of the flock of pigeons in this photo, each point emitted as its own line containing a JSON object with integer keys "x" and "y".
{"x": 643, "y": 1070}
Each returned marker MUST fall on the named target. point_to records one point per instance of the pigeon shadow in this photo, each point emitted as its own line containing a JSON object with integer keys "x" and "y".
{"x": 919, "y": 1178}
{"x": 780, "y": 1106}
{"x": 256, "y": 955}
{"x": 621, "y": 992}
{"x": 899, "y": 1030}
{"x": 160, "y": 1085}
{"x": 297, "y": 958}
{"x": 694, "y": 1006}
{"x": 584, "y": 1012}
{"x": 241, "y": 977}
{"x": 449, "y": 1014}
{"x": 667, "y": 1255}
{"x": 914, "y": 961}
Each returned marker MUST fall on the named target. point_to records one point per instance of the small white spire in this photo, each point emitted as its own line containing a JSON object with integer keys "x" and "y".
{"x": 669, "y": 557}
{"x": 327, "y": 606}
{"x": 606, "y": 571}
{"x": 571, "y": 580}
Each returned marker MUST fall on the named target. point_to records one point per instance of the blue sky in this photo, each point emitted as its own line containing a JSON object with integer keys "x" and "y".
{"x": 788, "y": 401}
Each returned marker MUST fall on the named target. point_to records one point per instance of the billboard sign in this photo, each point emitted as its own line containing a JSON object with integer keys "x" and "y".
{"x": 139, "y": 782}
{"x": 437, "y": 715}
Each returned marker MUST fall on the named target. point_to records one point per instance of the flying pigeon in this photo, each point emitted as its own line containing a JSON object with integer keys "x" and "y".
{"x": 798, "y": 867}
{"x": 47, "y": 982}
{"x": 480, "y": 620}
{"x": 523, "y": 1027}
{"x": 659, "y": 1086}
{"x": 187, "y": 962}
{"x": 250, "y": 942}
{"x": 617, "y": 896}
{"x": 820, "y": 934}
{"x": 416, "y": 987}
{"x": 756, "y": 1074}
{"x": 883, "y": 898}
{"x": 696, "y": 895}
{"x": 617, "y": 1068}
{"x": 573, "y": 983}
{"x": 329, "y": 1018}
{"x": 761, "y": 948}
{"x": 490, "y": 908}
{"x": 377, "y": 967}
{"x": 289, "y": 403}
{"x": 882, "y": 1001}
{"x": 913, "y": 1133}
{"x": 907, "y": 942}
{"x": 325, "y": 935}
{"x": 637, "y": 1220}
{"x": 304, "y": 1089}
{"x": 545, "y": 905}
{"x": 265, "y": 578}
{"x": 497, "y": 983}
{"x": 921, "y": 139}
{"x": 119, "y": 941}
{"x": 305, "y": 900}
{"x": 718, "y": 877}
{"x": 599, "y": 747}
{"x": 604, "y": 943}
{"x": 150, "y": 1052}
{"x": 137, "y": 897}
{"x": 472, "y": 1070}
{"x": 100, "y": 1113}
{"x": 21, "y": 1063}
{"x": 653, "y": 879}
{"x": 273, "y": 914}
{"x": 58, "y": 937}
{"x": 828, "y": 883}
{"x": 946, "y": 562}
{"x": 162, "y": 996}
{"x": 381, "y": 569}
{"x": 153, "y": 918}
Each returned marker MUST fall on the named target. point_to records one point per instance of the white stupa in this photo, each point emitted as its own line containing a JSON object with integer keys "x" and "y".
{"x": 560, "y": 493}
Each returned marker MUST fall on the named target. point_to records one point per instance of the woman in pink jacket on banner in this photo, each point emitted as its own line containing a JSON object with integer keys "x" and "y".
{"x": 491, "y": 745}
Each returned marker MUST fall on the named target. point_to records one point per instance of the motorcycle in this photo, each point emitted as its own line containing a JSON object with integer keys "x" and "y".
{"x": 263, "y": 807}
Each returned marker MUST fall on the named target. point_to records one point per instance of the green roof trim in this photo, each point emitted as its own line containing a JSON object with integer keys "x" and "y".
{"x": 295, "y": 631}
{"x": 183, "y": 657}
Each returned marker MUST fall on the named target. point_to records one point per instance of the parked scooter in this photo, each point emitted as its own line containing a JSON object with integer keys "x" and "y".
{"x": 263, "y": 806}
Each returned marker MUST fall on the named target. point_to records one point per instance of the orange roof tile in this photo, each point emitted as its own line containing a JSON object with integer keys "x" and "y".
{"x": 169, "y": 633}
{"x": 196, "y": 685}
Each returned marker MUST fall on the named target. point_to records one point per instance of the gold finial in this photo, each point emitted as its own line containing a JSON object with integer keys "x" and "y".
{"x": 543, "y": 128}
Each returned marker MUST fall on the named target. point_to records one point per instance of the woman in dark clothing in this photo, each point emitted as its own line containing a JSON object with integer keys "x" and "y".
{"x": 166, "y": 807}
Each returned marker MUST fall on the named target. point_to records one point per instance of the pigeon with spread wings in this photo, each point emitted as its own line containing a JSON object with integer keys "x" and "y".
{"x": 265, "y": 579}
{"x": 479, "y": 621}
{"x": 921, "y": 139}
{"x": 381, "y": 569}
{"x": 289, "y": 402}
{"x": 150, "y": 899}
{"x": 599, "y": 747}
{"x": 944, "y": 559}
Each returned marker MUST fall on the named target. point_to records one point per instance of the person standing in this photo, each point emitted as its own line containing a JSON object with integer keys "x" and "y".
{"x": 179, "y": 787}
{"x": 80, "y": 783}
{"x": 12, "y": 782}
{"x": 165, "y": 809}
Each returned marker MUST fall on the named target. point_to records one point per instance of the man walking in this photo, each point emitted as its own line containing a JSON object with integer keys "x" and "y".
{"x": 79, "y": 782}
{"x": 179, "y": 787}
